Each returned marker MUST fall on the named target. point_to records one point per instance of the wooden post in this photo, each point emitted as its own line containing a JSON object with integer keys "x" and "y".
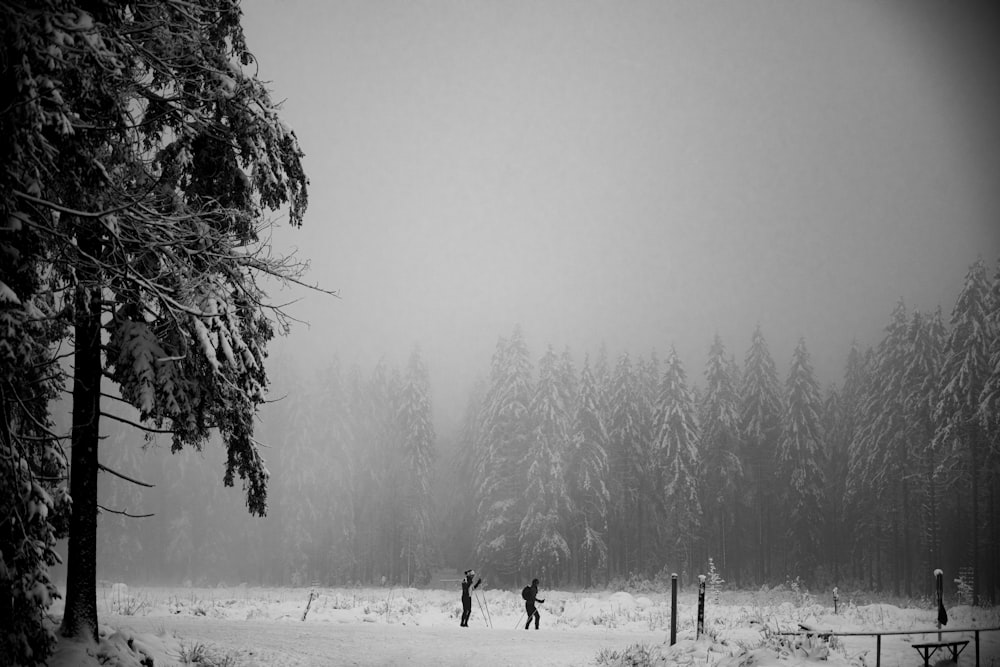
{"x": 701, "y": 606}
{"x": 836, "y": 596}
{"x": 673, "y": 608}
{"x": 939, "y": 586}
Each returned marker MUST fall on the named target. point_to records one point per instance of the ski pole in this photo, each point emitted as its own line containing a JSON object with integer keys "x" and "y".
{"x": 486, "y": 612}
{"x": 480, "y": 606}
{"x": 490, "y": 618}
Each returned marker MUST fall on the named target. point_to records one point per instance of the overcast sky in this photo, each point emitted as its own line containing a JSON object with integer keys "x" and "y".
{"x": 646, "y": 174}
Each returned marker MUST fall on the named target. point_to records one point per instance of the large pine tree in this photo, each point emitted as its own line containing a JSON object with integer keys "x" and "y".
{"x": 625, "y": 465}
{"x": 504, "y": 436}
{"x": 677, "y": 460}
{"x": 989, "y": 413}
{"x": 801, "y": 459}
{"x": 587, "y": 474}
{"x": 722, "y": 468}
{"x": 883, "y": 459}
{"x": 964, "y": 375}
{"x": 544, "y": 547}
{"x": 418, "y": 447}
{"x": 334, "y": 443}
{"x": 141, "y": 159}
{"x": 649, "y": 519}
{"x": 760, "y": 420}
{"x": 925, "y": 337}
{"x": 843, "y": 410}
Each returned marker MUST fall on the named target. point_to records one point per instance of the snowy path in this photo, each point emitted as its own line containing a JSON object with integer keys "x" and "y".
{"x": 289, "y": 644}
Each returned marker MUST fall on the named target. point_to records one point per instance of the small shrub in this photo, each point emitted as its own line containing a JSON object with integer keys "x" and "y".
{"x": 964, "y": 588}
{"x": 204, "y": 656}
{"x": 714, "y": 582}
{"x": 636, "y": 655}
{"x": 121, "y": 602}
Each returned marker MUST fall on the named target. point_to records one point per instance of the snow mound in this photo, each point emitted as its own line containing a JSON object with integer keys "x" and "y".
{"x": 116, "y": 648}
{"x": 618, "y": 610}
{"x": 581, "y": 612}
{"x": 693, "y": 652}
{"x": 623, "y": 600}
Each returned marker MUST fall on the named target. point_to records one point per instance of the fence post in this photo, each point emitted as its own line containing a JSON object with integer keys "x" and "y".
{"x": 701, "y": 606}
{"x": 939, "y": 586}
{"x": 836, "y": 596}
{"x": 673, "y": 608}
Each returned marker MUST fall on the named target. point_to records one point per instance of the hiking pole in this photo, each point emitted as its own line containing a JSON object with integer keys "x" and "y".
{"x": 519, "y": 620}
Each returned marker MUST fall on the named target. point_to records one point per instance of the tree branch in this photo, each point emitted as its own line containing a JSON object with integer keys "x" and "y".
{"x": 69, "y": 211}
{"x": 124, "y": 513}
{"x": 105, "y": 468}
{"x": 147, "y": 429}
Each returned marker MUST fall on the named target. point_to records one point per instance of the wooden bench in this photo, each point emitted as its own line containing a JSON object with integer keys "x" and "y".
{"x": 930, "y": 648}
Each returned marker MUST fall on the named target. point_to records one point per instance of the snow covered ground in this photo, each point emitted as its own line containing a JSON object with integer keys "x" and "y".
{"x": 263, "y": 627}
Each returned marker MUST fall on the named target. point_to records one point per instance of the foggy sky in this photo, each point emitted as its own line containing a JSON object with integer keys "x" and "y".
{"x": 643, "y": 174}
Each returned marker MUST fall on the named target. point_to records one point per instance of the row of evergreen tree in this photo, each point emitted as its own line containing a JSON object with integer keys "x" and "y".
{"x": 350, "y": 462}
{"x": 615, "y": 469}
{"x": 631, "y": 470}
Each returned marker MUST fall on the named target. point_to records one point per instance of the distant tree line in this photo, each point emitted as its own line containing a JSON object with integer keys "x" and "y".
{"x": 628, "y": 469}
{"x": 601, "y": 471}
{"x": 350, "y": 458}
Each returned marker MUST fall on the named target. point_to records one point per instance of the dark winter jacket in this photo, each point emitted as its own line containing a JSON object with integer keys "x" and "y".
{"x": 532, "y": 596}
{"x": 466, "y": 584}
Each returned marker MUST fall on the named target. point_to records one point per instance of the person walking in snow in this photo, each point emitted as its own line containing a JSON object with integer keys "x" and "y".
{"x": 530, "y": 595}
{"x": 467, "y": 586}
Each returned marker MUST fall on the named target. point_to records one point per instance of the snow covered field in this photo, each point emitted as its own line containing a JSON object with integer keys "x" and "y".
{"x": 264, "y": 627}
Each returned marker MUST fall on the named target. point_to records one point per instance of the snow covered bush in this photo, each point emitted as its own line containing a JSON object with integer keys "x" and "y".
{"x": 714, "y": 582}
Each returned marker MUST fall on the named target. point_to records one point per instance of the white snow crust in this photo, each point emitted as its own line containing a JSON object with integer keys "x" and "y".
{"x": 258, "y": 627}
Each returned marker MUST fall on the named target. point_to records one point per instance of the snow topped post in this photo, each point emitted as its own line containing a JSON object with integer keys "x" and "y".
{"x": 701, "y": 606}
{"x": 673, "y": 608}
{"x": 942, "y": 618}
{"x": 836, "y": 597}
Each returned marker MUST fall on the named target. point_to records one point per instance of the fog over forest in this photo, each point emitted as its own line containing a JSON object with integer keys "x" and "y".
{"x": 620, "y": 289}
{"x": 346, "y": 295}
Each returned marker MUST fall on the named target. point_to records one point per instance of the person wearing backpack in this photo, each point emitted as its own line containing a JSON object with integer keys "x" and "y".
{"x": 530, "y": 595}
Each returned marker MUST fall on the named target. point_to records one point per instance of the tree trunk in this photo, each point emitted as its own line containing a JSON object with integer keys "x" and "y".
{"x": 933, "y": 542}
{"x": 976, "y": 571}
{"x": 896, "y": 559}
{"x": 995, "y": 532}
{"x": 761, "y": 570}
{"x": 907, "y": 541}
{"x": 878, "y": 555}
{"x": 80, "y": 616}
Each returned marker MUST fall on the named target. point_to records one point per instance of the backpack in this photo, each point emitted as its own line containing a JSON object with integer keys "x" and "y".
{"x": 526, "y": 592}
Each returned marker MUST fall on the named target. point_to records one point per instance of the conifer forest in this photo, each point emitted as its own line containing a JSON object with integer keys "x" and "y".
{"x": 598, "y": 467}
{"x": 489, "y": 191}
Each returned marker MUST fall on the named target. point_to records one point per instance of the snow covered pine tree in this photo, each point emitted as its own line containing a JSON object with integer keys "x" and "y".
{"x": 138, "y": 160}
